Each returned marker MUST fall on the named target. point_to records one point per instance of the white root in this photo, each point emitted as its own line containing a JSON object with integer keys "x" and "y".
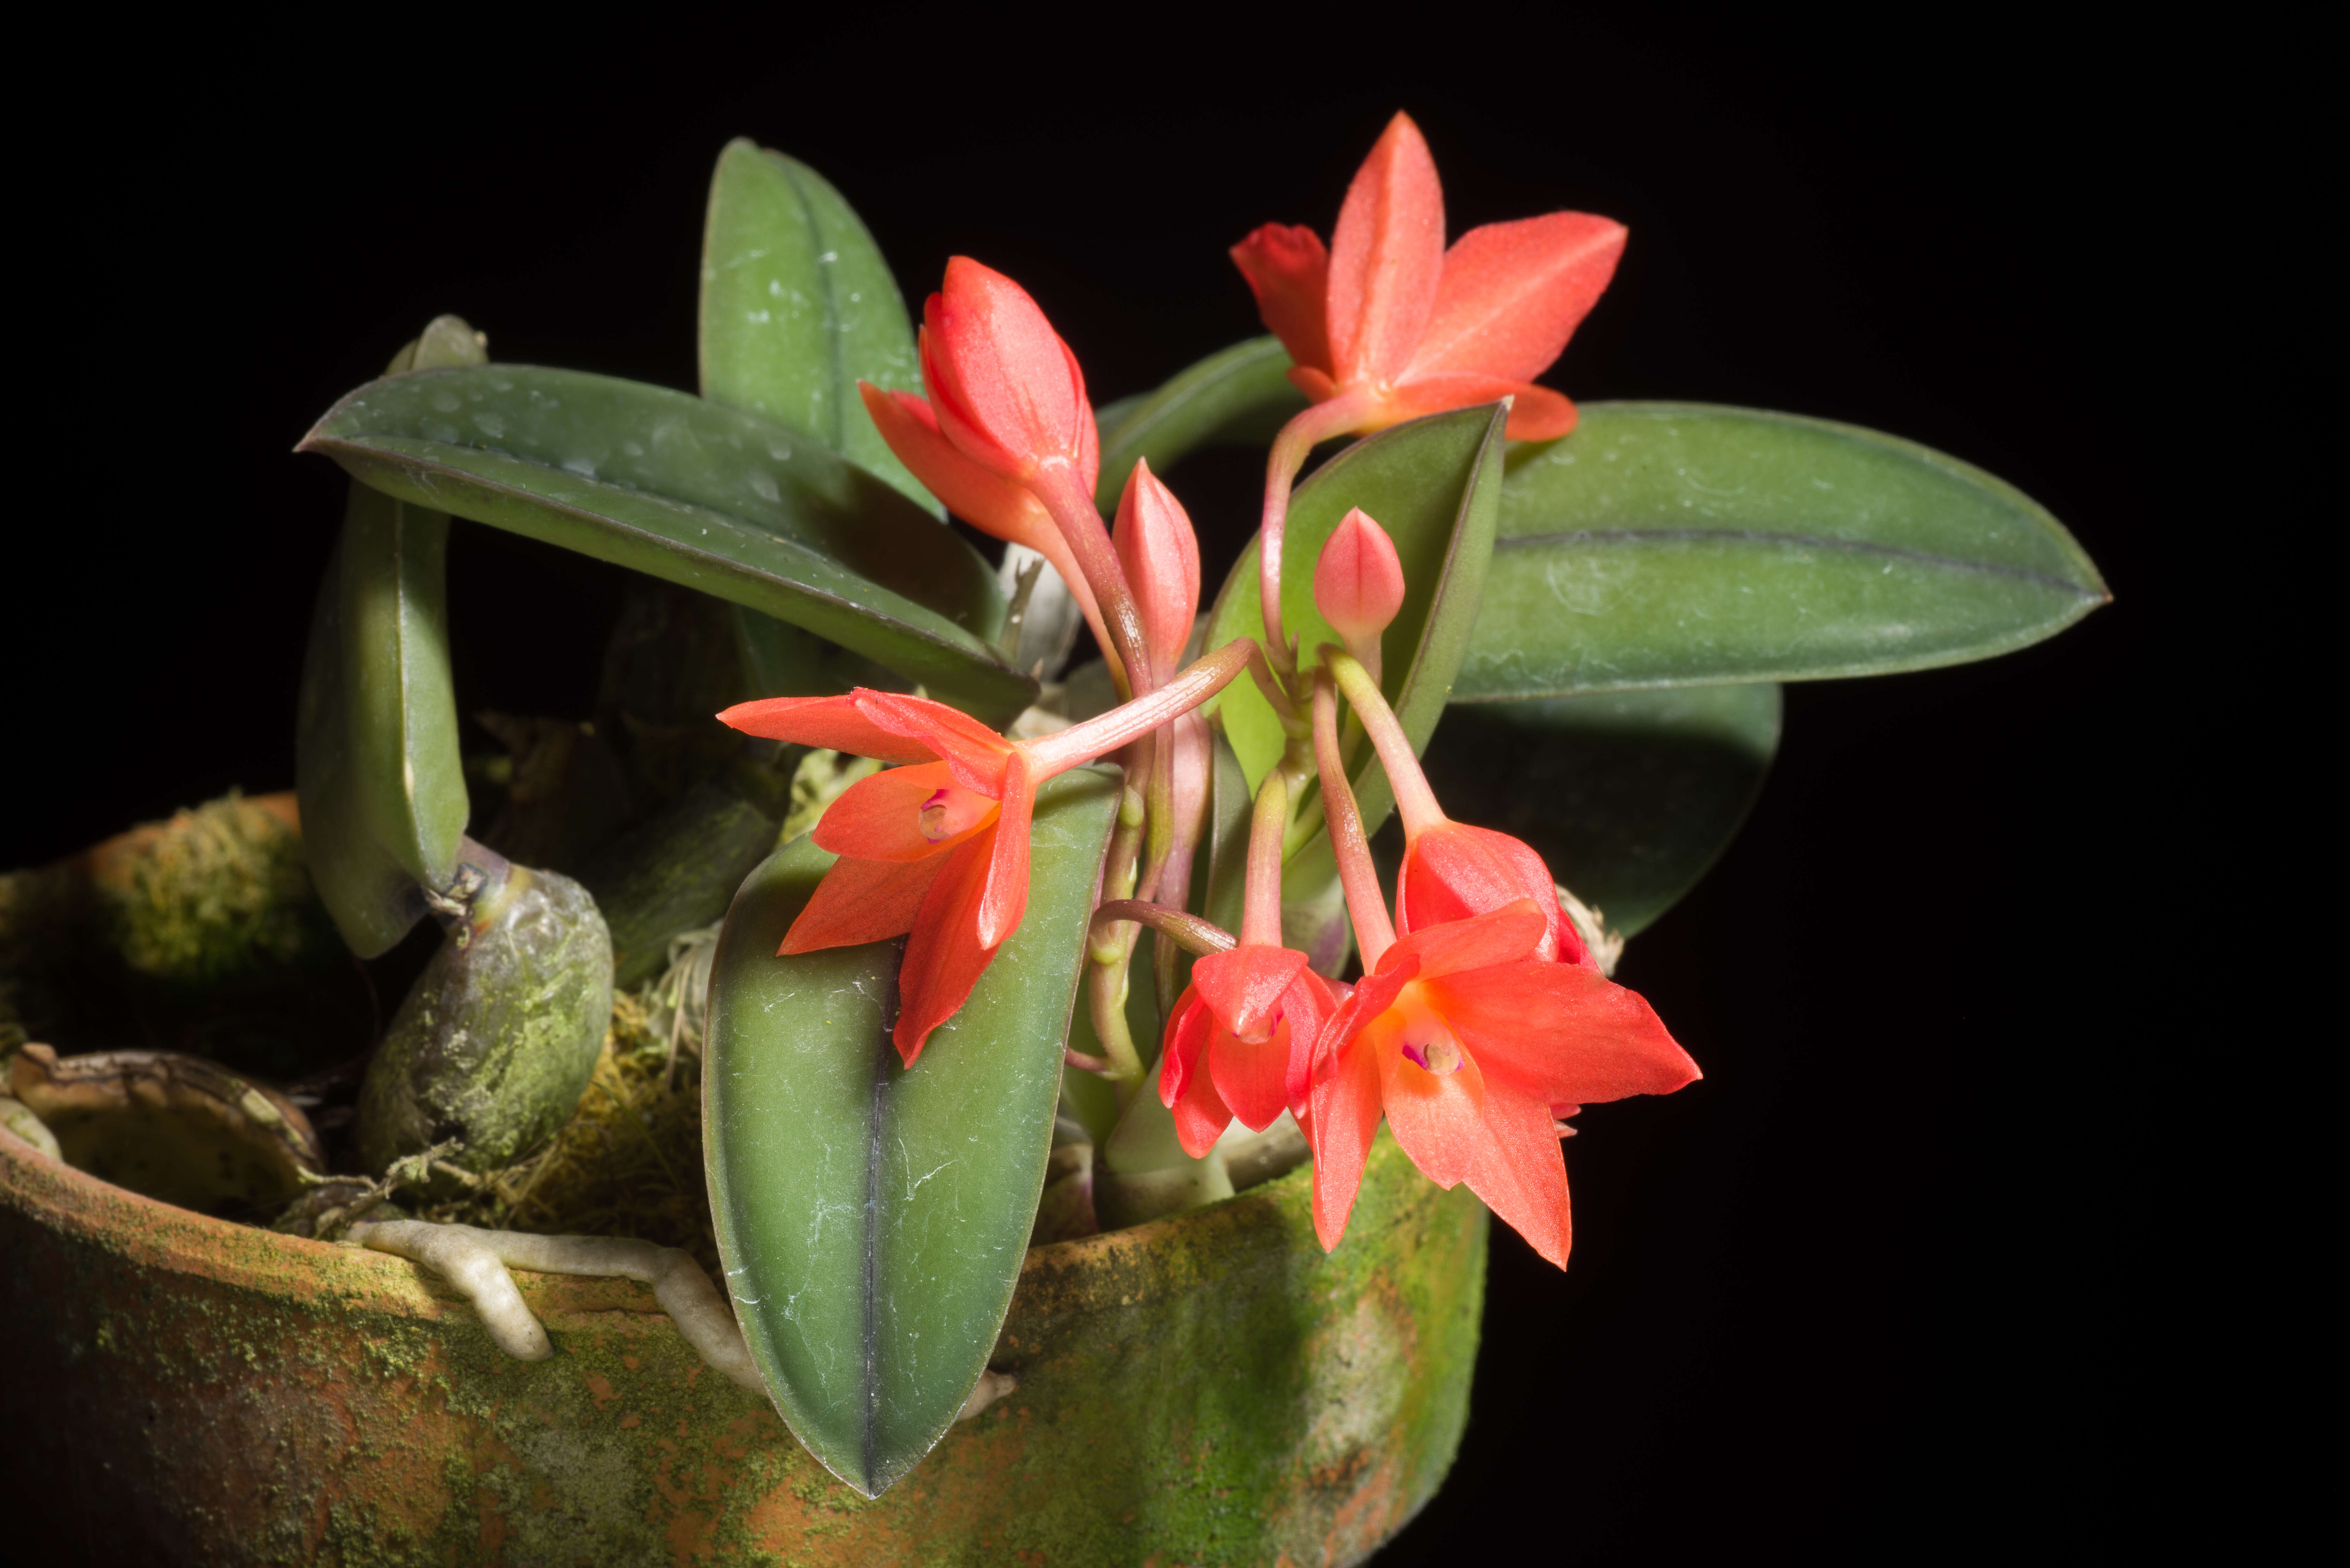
{"x": 476, "y": 1261}
{"x": 993, "y": 1385}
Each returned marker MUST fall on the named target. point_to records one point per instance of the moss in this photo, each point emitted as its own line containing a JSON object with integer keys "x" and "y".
{"x": 495, "y": 1043}
{"x": 220, "y": 894}
{"x": 629, "y": 1163}
{"x": 199, "y": 934}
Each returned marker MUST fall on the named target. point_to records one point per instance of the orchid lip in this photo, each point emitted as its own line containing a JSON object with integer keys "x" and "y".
{"x": 1428, "y": 1044}
{"x": 1439, "y": 1056}
{"x": 951, "y": 811}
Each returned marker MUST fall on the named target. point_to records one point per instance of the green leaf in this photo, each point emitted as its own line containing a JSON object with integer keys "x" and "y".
{"x": 797, "y": 306}
{"x": 1238, "y": 394}
{"x": 872, "y": 1218}
{"x": 1630, "y": 797}
{"x": 381, "y": 786}
{"x": 1676, "y": 544}
{"x": 1434, "y": 485}
{"x": 707, "y": 497}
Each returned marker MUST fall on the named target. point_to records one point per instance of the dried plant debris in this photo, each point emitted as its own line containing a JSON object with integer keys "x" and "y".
{"x": 175, "y": 1128}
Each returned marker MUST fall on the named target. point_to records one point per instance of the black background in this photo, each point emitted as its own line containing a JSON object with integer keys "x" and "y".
{"x": 1854, "y": 1292}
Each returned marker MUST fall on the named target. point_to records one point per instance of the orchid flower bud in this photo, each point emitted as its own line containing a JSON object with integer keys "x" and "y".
{"x": 1161, "y": 556}
{"x": 1358, "y": 585}
{"x": 1007, "y": 392}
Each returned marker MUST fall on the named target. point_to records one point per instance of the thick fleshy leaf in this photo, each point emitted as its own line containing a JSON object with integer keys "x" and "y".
{"x": 797, "y": 306}
{"x": 1237, "y": 394}
{"x": 381, "y": 784}
{"x": 1628, "y": 795}
{"x": 1434, "y": 485}
{"x": 873, "y": 1218}
{"x": 707, "y": 497}
{"x": 1674, "y": 543}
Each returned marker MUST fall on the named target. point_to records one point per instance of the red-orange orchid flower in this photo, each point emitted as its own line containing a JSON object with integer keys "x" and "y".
{"x": 1240, "y": 1040}
{"x": 1007, "y": 405}
{"x": 940, "y": 848}
{"x": 1388, "y": 325}
{"x": 1469, "y": 1040}
{"x": 1466, "y": 1041}
{"x": 1398, "y": 325}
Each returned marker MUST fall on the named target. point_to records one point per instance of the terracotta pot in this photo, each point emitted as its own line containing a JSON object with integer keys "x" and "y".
{"x": 1204, "y": 1389}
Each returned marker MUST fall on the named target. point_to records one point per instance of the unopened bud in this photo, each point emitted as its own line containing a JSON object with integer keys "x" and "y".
{"x": 1358, "y": 585}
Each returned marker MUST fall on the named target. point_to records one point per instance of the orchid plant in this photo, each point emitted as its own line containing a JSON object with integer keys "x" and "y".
{"x": 1135, "y": 908}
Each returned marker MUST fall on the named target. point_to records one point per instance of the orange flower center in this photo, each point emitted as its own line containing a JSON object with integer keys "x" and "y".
{"x": 1427, "y": 1042}
{"x": 951, "y": 811}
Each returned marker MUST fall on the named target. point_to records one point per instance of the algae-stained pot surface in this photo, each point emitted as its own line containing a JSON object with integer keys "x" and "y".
{"x": 191, "y": 1390}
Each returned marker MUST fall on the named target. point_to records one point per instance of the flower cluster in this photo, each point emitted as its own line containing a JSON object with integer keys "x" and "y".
{"x": 1481, "y": 1020}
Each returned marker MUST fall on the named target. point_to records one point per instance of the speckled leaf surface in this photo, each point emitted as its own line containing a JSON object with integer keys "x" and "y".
{"x": 873, "y": 1218}
{"x": 1670, "y": 544}
{"x": 1435, "y": 485}
{"x": 797, "y": 306}
{"x": 1628, "y": 795}
{"x": 705, "y": 496}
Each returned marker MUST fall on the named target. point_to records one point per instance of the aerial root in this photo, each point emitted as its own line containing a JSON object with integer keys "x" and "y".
{"x": 476, "y": 1261}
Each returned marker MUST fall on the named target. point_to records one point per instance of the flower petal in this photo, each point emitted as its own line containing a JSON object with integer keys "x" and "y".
{"x": 832, "y": 722}
{"x": 861, "y": 901}
{"x": 944, "y": 956}
{"x": 1244, "y": 986}
{"x": 1253, "y": 1079}
{"x": 1371, "y": 997}
{"x": 1200, "y": 1115}
{"x": 1187, "y": 1036}
{"x": 1500, "y": 936}
{"x": 1561, "y": 1033}
{"x": 1386, "y": 258}
{"x": 1539, "y": 414}
{"x": 1519, "y": 1170}
{"x": 1305, "y": 1010}
{"x": 1005, "y": 897}
{"x": 1289, "y": 272}
{"x": 1316, "y": 385}
{"x": 880, "y": 818}
{"x": 1513, "y": 293}
{"x": 1454, "y": 871}
{"x": 1345, "y": 1119}
{"x": 974, "y": 751}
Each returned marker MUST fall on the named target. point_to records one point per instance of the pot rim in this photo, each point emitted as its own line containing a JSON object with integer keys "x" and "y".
{"x": 328, "y": 1275}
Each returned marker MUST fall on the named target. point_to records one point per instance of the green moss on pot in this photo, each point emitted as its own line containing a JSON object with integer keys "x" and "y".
{"x": 1209, "y": 1389}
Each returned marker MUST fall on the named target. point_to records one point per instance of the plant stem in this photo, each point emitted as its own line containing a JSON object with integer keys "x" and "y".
{"x": 1374, "y": 932}
{"x": 1414, "y": 799}
{"x": 1344, "y": 413}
